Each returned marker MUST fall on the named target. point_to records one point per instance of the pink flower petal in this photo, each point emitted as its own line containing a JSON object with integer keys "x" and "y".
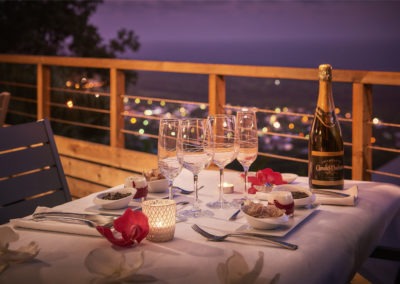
{"x": 130, "y": 229}
{"x": 266, "y": 175}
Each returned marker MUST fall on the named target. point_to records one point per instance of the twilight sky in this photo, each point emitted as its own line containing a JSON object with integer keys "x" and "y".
{"x": 224, "y": 19}
{"x": 157, "y": 22}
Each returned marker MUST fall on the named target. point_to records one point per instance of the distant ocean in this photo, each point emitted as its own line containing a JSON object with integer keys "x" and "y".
{"x": 356, "y": 54}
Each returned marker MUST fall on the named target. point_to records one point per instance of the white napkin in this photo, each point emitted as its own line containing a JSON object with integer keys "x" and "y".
{"x": 324, "y": 198}
{"x": 344, "y": 201}
{"x": 54, "y": 226}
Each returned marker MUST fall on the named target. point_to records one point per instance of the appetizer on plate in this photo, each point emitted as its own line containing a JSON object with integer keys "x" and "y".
{"x": 115, "y": 199}
{"x": 302, "y": 196}
{"x": 156, "y": 182}
{"x": 264, "y": 216}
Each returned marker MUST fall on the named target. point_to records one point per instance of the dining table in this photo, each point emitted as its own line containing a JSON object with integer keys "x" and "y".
{"x": 333, "y": 240}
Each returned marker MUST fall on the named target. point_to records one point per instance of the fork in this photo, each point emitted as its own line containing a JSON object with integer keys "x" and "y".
{"x": 221, "y": 238}
{"x": 91, "y": 220}
{"x": 185, "y": 191}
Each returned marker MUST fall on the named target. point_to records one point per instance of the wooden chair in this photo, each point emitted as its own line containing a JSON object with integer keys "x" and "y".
{"x": 4, "y": 99}
{"x": 31, "y": 173}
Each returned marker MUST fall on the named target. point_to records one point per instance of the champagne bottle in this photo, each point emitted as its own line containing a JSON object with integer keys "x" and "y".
{"x": 325, "y": 147}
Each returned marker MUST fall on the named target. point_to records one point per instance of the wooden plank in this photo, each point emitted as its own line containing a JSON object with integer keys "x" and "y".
{"x": 97, "y": 173}
{"x": 15, "y": 162}
{"x": 43, "y": 91}
{"x": 216, "y": 94}
{"x": 125, "y": 159}
{"x": 23, "y": 186}
{"x": 80, "y": 188}
{"x": 366, "y": 77}
{"x": 361, "y": 132}
{"x": 117, "y": 90}
{"x": 11, "y": 137}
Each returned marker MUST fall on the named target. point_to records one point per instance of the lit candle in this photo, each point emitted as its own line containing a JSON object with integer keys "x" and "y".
{"x": 161, "y": 214}
{"x": 227, "y": 187}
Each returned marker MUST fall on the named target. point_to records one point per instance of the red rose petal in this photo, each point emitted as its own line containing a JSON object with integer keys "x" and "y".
{"x": 132, "y": 226}
{"x": 252, "y": 190}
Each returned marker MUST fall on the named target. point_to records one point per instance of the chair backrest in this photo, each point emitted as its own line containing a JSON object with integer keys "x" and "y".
{"x": 4, "y": 99}
{"x": 31, "y": 173}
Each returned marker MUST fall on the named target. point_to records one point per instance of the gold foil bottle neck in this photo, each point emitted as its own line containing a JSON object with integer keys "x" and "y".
{"x": 325, "y": 72}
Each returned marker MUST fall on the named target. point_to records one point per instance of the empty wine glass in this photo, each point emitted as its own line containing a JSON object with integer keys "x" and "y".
{"x": 246, "y": 127}
{"x": 194, "y": 153}
{"x": 224, "y": 146}
{"x": 168, "y": 163}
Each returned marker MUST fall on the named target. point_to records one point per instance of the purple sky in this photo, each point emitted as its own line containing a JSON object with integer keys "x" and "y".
{"x": 348, "y": 34}
{"x": 256, "y": 20}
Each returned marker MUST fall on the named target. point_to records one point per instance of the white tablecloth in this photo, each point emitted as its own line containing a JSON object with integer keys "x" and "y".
{"x": 333, "y": 242}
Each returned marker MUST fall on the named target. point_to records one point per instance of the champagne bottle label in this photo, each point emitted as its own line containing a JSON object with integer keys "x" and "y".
{"x": 327, "y": 168}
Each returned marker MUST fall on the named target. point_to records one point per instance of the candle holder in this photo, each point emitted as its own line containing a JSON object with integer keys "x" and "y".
{"x": 161, "y": 214}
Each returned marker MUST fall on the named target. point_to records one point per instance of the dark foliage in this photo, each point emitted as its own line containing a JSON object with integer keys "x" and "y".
{"x": 49, "y": 27}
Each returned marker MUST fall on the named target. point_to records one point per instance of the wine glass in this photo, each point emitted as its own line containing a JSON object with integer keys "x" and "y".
{"x": 194, "y": 154}
{"x": 168, "y": 163}
{"x": 224, "y": 145}
{"x": 246, "y": 127}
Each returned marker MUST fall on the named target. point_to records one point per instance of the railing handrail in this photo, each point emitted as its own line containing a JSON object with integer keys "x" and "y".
{"x": 361, "y": 81}
{"x": 293, "y": 73}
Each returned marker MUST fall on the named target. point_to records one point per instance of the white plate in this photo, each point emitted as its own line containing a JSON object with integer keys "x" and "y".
{"x": 266, "y": 223}
{"x": 117, "y": 203}
{"x": 299, "y": 216}
{"x": 133, "y": 204}
{"x": 158, "y": 186}
{"x": 289, "y": 178}
{"x": 297, "y": 201}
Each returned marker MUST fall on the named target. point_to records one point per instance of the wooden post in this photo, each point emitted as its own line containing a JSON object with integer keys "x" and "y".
{"x": 361, "y": 131}
{"x": 216, "y": 94}
{"x": 117, "y": 90}
{"x": 43, "y": 91}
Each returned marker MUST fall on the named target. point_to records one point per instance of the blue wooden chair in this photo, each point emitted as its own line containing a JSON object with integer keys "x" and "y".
{"x": 31, "y": 173}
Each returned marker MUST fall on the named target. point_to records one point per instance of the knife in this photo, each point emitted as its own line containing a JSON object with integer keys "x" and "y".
{"x": 328, "y": 192}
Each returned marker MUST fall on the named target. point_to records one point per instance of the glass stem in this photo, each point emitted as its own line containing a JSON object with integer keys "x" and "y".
{"x": 170, "y": 195}
{"x": 196, "y": 192}
{"x": 246, "y": 190}
{"x": 221, "y": 186}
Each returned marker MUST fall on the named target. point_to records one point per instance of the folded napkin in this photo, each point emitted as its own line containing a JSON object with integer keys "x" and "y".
{"x": 324, "y": 198}
{"x": 344, "y": 201}
{"x": 54, "y": 226}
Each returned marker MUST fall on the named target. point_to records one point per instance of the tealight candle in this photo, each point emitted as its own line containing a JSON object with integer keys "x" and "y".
{"x": 161, "y": 214}
{"x": 227, "y": 187}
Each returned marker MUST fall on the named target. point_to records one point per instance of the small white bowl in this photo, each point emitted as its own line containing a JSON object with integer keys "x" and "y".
{"x": 158, "y": 186}
{"x": 266, "y": 223}
{"x": 295, "y": 188}
{"x": 116, "y": 203}
{"x": 289, "y": 178}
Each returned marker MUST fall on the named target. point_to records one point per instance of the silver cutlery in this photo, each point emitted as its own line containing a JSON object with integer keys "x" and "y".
{"x": 328, "y": 192}
{"x": 221, "y": 238}
{"x": 234, "y": 215}
{"x": 186, "y": 191}
{"x": 92, "y": 220}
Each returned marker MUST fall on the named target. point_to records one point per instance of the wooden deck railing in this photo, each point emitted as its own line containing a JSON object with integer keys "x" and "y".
{"x": 77, "y": 154}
